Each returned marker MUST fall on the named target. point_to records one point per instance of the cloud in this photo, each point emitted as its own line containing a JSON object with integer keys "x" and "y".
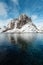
{"x": 3, "y": 9}
{"x": 1, "y": 23}
{"x": 4, "y": 22}
{"x": 15, "y": 1}
{"x": 34, "y": 17}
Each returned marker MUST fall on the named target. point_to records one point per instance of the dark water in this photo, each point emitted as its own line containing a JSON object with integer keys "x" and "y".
{"x": 21, "y": 49}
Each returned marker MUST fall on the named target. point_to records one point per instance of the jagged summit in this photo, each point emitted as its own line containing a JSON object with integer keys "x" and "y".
{"x": 24, "y": 17}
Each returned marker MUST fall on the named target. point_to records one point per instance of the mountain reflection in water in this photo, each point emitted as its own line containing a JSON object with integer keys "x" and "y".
{"x": 22, "y": 40}
{"x": 21, "y": 49}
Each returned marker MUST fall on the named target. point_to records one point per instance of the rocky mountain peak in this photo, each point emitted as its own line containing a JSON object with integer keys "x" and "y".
{"x": 24, "y": 17}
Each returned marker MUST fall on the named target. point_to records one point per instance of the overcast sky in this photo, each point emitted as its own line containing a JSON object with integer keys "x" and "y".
{"x": 10, "y": 9}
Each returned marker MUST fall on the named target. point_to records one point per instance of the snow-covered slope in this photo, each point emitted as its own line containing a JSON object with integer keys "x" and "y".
{"x": 29, "y": 27}
{"x": 14, "y": 31}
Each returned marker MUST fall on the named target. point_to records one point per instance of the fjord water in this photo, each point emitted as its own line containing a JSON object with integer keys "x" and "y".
{"x": 21, "y": 49}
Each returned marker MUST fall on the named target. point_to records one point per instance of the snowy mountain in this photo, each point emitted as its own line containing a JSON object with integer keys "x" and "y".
{"x": 40, "y": 27}
{"x": 21, "y": 24}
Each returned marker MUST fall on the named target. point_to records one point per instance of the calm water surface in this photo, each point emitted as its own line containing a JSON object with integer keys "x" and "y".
{"x": 21, "y": 49}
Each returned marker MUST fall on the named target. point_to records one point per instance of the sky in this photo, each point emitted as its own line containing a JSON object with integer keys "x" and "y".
{"x": 10, "y": 9}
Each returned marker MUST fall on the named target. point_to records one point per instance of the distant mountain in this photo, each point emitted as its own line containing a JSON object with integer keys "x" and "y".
{"x": 21, "y": 24}
{"x": 41, "y": 28}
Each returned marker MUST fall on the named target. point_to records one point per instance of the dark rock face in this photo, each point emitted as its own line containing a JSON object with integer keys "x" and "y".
{"x": 10, "y": 25}
{"x": 24, "y": 18}
{"x": 18, "y": 23}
